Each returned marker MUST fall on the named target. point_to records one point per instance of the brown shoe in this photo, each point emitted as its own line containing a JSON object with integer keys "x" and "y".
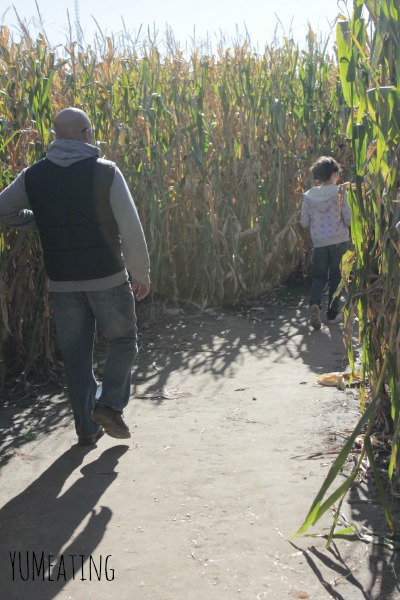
{"x": 90, "y": 440}
{"x": 112, "y": 421}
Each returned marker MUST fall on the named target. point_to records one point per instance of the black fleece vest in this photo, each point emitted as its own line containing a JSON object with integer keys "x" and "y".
{"x": 77, "y": 228}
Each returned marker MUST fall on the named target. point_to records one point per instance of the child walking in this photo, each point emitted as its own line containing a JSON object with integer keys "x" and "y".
{"x": 327, "y": 214}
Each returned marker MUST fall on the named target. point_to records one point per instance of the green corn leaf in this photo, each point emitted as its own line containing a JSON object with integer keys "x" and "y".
{"x": 346, "y": 63}
{"x": 318, "y": 508}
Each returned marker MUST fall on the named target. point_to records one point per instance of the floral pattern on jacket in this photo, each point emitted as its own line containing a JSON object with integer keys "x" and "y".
{"x": 327, "y": 214}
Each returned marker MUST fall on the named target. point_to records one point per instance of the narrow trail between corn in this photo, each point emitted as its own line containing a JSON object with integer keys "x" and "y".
{"x": 231, "y": 439}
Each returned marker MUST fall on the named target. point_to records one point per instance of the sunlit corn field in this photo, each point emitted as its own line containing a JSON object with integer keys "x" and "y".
{"x": 215, "y": 149}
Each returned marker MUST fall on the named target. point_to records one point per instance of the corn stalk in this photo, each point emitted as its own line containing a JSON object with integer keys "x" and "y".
{"x": 215, "y": 150}
{"x": 369, "y": 59}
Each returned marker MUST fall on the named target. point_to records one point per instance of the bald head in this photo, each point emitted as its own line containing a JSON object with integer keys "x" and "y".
{"x": 72, "y": 124}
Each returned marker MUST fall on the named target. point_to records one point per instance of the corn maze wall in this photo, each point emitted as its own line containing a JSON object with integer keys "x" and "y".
{"x": 215, "y": 149}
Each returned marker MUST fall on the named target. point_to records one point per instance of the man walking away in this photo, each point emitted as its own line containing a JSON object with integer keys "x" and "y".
{"x": 93, "y": 243}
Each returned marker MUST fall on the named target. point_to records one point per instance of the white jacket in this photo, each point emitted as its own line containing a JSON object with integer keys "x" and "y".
{"x": 327, "y": 214}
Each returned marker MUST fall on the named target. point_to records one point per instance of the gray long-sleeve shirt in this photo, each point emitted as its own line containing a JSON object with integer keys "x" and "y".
{"x": 15, "y": 211}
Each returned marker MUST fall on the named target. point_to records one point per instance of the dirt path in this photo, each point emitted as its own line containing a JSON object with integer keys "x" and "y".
{"x": 201, "y": 503}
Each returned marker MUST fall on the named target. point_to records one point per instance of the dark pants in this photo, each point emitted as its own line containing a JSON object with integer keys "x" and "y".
{"x": 326, "y": 267}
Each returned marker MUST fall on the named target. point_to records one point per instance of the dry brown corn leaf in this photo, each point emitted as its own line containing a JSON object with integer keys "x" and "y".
{"x": 338, "y": 379}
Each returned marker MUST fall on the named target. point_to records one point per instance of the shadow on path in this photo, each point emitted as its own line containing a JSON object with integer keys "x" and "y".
{"x": 48, "y": 535}
{"x": 64, "y": 522}
{"x": 209, "y": 341}
{"x": 212, "y": 342}
{"x": 383, "y": 583}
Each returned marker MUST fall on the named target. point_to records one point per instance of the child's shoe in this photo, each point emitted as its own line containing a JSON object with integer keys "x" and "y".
{"x": 337, "y": 319}
{"x": 315, "y": 317}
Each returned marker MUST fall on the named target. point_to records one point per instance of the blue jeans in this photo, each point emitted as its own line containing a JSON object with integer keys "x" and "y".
{"x": 326, "y": 267}
{"x": 75, "y": 317}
